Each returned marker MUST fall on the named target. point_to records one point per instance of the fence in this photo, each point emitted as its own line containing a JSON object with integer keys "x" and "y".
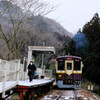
{"x": 44, "y": 72}
{"x": 48, "y": 73}
{"x": 13, "y": 71}
{"x": 9, "y": 72}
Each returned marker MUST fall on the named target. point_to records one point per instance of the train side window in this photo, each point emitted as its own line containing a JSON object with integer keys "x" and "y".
{"x": 61, "y": 65}
{"x": 69, "y": 66}
{"x": 77, "y": 65}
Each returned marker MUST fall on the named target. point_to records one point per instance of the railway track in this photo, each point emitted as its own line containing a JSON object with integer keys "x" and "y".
{"x": 69, "y": 95}
{"x": 63, "y": 95}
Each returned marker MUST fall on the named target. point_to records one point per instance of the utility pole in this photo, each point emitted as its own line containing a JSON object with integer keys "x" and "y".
{"x": 43, "y": 55}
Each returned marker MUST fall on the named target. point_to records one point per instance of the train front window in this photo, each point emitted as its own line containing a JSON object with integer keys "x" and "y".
{"x": 61, "y": 65}
{"x": 77, "y": 65}
{"x": 69, "y": 66}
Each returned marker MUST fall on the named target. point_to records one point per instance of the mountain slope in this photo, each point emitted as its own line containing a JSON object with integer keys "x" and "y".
{"x": 41, "y": 29}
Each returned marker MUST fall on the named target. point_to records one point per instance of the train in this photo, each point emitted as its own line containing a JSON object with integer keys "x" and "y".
{"x": 69, "y": 71}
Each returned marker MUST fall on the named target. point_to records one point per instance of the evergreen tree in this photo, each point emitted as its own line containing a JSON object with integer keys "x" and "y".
{"x": 70, "y": 48}
{"x": 92, "y": 31}
{"x": 91, "y": 53}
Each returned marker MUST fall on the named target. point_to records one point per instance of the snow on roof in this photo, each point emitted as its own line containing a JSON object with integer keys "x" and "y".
{"x": 42, "y": 49}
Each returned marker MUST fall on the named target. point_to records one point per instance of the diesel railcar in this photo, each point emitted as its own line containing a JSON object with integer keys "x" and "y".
{"x": 69, "y": 71}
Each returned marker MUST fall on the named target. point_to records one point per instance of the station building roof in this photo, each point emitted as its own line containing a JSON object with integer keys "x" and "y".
{"x": 43, "y": 49}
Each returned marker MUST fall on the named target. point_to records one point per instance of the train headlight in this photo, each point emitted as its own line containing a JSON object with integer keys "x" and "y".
{"x": 59, "y": 75}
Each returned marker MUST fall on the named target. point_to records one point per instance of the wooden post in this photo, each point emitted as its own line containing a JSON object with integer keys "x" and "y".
{"x": 24, "y": 67}
{"x": 4, "y": 80}
{"x": 92, "y": 87}
{"x": 21, "y": 95}
{"x": 29, "y": 56}
{"x": 18, "y": 71}
{"x": 89, "y": 87}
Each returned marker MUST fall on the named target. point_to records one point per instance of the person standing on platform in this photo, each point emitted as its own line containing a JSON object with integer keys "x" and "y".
{"x": 31, "y": 70}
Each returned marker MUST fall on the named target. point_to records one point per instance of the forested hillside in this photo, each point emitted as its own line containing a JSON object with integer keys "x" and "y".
{"x": 92, "y": 31}
{"x": 87, "y": 45}
{"x": 21, "y": 27}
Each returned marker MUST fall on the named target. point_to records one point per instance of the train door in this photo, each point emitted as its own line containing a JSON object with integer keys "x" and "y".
{"x": 69, "y": 67}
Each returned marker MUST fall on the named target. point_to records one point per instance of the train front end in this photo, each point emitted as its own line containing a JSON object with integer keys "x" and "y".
{"x": 69, "y": 71}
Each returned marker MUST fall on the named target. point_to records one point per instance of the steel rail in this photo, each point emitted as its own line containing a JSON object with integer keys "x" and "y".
{"x": 74, "y": 95}
{"x": 59, "y": 95}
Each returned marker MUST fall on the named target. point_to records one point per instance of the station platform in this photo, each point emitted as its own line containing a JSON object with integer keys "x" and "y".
{"x": 35, "y": 82}
{"x": 26, "y": 88}
{"x": 36, "y": 86}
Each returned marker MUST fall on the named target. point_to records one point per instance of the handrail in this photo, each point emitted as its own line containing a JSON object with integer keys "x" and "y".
{"x": 7, "y": 68}
{"x": 13, "y": 71}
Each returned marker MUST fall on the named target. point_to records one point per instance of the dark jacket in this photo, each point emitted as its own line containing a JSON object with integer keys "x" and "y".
{"x": 31, "y": 69}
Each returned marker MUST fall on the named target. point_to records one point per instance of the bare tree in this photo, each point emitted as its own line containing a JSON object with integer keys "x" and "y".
{"x": 20, "y": 13}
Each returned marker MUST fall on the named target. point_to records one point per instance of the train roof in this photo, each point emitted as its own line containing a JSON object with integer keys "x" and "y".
{"x": 69, "y": 56}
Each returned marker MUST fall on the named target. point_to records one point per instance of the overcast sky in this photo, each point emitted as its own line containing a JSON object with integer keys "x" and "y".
{"x": 73, "y": 14}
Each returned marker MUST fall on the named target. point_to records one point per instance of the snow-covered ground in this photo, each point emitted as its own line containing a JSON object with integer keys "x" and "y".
{"x": 8, "y": 85}
{"x": 86, "y": 94}
{"x": 80, "y": 94}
